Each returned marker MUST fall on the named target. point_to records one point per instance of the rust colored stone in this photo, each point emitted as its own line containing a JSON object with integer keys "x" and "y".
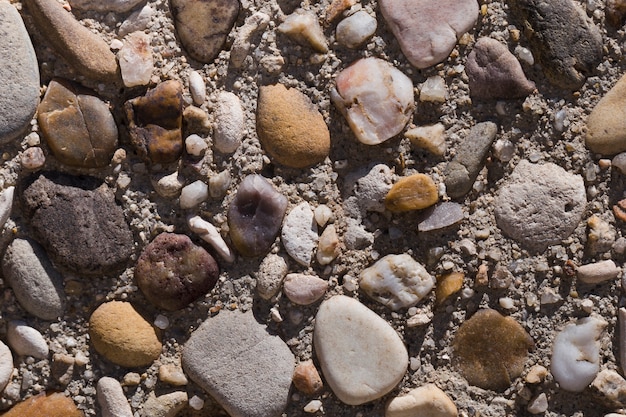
{"x": 48, "y": 405}
{"x": 307, "y": 379}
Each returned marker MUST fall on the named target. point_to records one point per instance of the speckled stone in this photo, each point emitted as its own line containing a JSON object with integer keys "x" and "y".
{"x": 606, "y": 125}
{"x": 415, "y": 192}
{"x": 299, "y": 235}
{"x": 50, "y": 405}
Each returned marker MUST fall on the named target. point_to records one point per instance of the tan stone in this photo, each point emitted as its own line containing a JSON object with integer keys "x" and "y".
{"x": 306, "y": 378}
{"x": 447, "y": 285}
{"x": 52, "y": 405}
{"x": 427, "y": 401}
{"x": 414, "y": 192}
{"x": 606, "y": 125}
{"x": 172, "y": 374}
{"x": 123, "y": 336}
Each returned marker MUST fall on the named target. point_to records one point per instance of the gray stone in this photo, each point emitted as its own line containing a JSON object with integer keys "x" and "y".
{"x": 247, "y": 370}
{"x": 19, "y": 75}
{"x": 37, "y": 286}
{"x": 540, "y": 204}
{"x": 138, "y": 20}
{"x": 462, "y": 171}
{"x": 270, "y": 275}
{"x": 299, "y": 234}
{"x": 441, "y": 216}
{"x": 112, "y": 399}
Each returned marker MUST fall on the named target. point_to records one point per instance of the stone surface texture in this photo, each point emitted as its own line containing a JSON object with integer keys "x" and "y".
{"x": 427, "y": 400}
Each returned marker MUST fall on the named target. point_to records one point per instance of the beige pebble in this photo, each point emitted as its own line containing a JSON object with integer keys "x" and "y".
{"x": 131, "y": 379}
{"x": 229, "y": 123}
{"x": 598, "y": 272}
{"x": 112, "y": 399}
{"x": 172, "y": 374}
{"x": 62, "y": 368}
{"x": 33, "y": 158}
{"x": 167, "y": 405}
{"x": 303, "y": 27}
{"x": 536, "y": 374}
{"x": 430, "y": 138}
{"x": 606, "y": 125}
{"x": 414, "y": 192}
{"x": 304, "y": 289}
{"x": 611, "y": 387}
{"x": 427, "y": 400}
{"x": 328, "y": 246}
{"x": 306, "y": 378}
{"x": 447, "y": 285}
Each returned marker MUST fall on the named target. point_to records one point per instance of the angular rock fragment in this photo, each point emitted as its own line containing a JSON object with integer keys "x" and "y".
{"x": 135, "y": 58}
{"x": 303, "y": 26}
{"x": 355, "y": 29}
{"x": 441, "y": 216}
{"x": 306, "y": 378}
{"x": 429, "y": 137}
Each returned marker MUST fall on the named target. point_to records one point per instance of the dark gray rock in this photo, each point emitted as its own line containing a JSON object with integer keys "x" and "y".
{"x": 443, "y": 215}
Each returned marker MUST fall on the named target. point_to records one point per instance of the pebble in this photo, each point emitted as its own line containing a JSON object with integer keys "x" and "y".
{"x": 606, "y": 125}
{"x": 173, "y": 375}
{"x": 427, "y": 32}
{"x": 155, "y": 122}
{"x": 336, "y": 8}
{"x": 491, "y": 349}
{"x": 597, "y": 272}
{"x": 120, "y": 334}
{"x": 304, "y": 28}
{"x": 201, "y": 41}
{"x": 209, "y": 234}
{"x": 621, "y": 328}
{"x": 168, "y": 185}
{"x": 196, "y": 403}
{"x": 6, "y": 204}
{"x": 615, "y": 12}
{"x": 117, "y": 6}
{"x": 538, "y": 405}
{"x": 62, "y": 368}
{"x": 536, "y": 374}
{"x": 166, "y": 405}
{"x": 427, "y": 400}
{"x": 328, "y": 246}
{"x": 196, "y": 120}
{"x": 77, "y": 126}
{"x": 33, "y": 158}
{"x": 137, "y": 21}
{"x": 197, "y": 88}
{"x": 397, "y": 281}
{"x": 434, "y": 90}
{"x": 540, "y": 204}
{"x": 299, "y": 234}
{"x": 26, "y": 341}
{"x": 415, "y": 192}
{"x": 6, "y": 365}
{"x": 447, "y": 285}
{"x": 253, "y": 24}
{"x": 219, "y": 184}
{"x": 19, "y": 75}
{"x": 172, "y": 271}
{"x": 291, "y": 129}
{"x": 304, "y": 289}
{"x": 463, "y": 169}
{"x": 565, "y": 60}
{"x": 600, "y": 237}
{"x": 307, "y": 379}
{"x": 377, "y": 359}
{"x": 135, "y": 60}
{"x": 270, "y": 275}
{"x": 369, "y": 82}
{"x": 112, "y": 399}
{"x": 429, "y": 137}
{"x": 195, "y": 145}
{"x": 323, "y": 214}
{"x": 55, "y": 404}
{"x": 66, "y": 212}
{"x": 575, "y": 358}
{"x": 252, "y": 379}
{"x": 229, "y": 123}
{"x": 193, "y": 194}
{"x": 355, "y": 29}
{"x": 495, "y": 73}
{"x": 37, "y": 286}
{"x": 611, "y": 388}
{"x": 313, "y": 406}
{"x": 366, "y": 189}
{"x": 255, "y": 216}
{"x": 84, "y": 50}
{"x": 441, "y": 216}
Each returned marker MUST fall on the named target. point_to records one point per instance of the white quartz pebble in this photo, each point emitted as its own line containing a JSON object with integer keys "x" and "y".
{"x": 209, "y": 234}
{"x": 229, "y": 123}
{"x": 427, "y": 400}
{"x": 434, "y": 90}
{"x": 313, "y": 406}
{"x": 168, "y": 185}
{"x": 112, "y": 399}
{"x": 597, "y": 272}
{"x": 6, "y": 204}
{"x": 538, "y": 405}
{"x": 323, "y": 214}
{"x": 299, "y": 234}
{"x": 196, "y": 403}
{"x": 26, "y": 340}
{"x": 195, "y": 145}
{"x": 356, "y": 29}
{"x": 135, "y": 59}
{"x": 193, "y": 194}
{"x": 430, "y": 138}
{"x": 6, "y": 365}
{"x": 197, "y": 88}
{"x": 303, "y": 27}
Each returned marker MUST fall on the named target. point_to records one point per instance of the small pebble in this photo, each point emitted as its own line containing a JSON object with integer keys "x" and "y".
{"x": 447, "y": 285}
{"x": 427, "y": 400}
{"x": 229, "y": 123}
{"x": 299, "y": 235}
{"x": 195, "y": 145}
{"x": 414, "y": 192}
{"x": 313, "y": 406}
{"x": 307, "y": 379}
{"x": 253, "y": 24}
{"x": 196, "y": 403}
{"x": 323, "y": 214}
{"x": 62, "y": 368}
{"x": 161, "y": 322}
{"x": 441, "y": 216}
{"x": 538, "y": 405}
{"x": 6, "y": 204}
{"x": 429, "y": 137}
{"x": 209, "y": 234}
{"x": 355, "y": 29}
{"x": 172, "y": 374}
{"x": 270, "y": 275}
{"x": 611, "y": 387}
{"x": 137, "y": 21}
{"x": 26, "y": 340}
{"x": 33, "y": 158}
{"x": 304, "y": 289}
{"x": 193, "y": 194}
{"x": 328, "y": 247}
{"x": 112, "y": 399}
{"x": 197, "y": 88}
{"x": 598, "y": 272}
{"x": 135, "y": 60}
{"x": 166, "y": 405}
{"x": 6, "y": 365}
{"x": 536, "y": 374}
{"x": 168, "y": 185}
{"x": 434, "y": 90}
{"x": 304, "y": 27}
{"x": 219, "y": 184}
{"x": 619, "y": 162}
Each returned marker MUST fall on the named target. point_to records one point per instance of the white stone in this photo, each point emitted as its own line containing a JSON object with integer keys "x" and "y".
{"x": 193, "y": 194}
{"x": 427, "y": 400}
{"x": 26, "y": 340}
{"x": 112, "y": 399}
{"x": 197, "y": 88}
{"x": 229, "y": 123}
{"x": 328, "y": 246}
{"x": 367, "y": 189}
{"x": 166, "y": 405}
{"x": 196, "y": 403}
{"x": 168, "y": 186}
{"x": 361, "y": 88}
{"x": 135, "y": 59}
{"x": 161, "y": 322}
{"x": 356, "y": 29}
{"x": 241, "y": 45}
{"x": 270, "y": 275}
{"x": 6, "y": 365}
{"x": 397, "y": 281}
{"x": 549, "y": 296}
{"x": 6, "y": 204}
{"x": 361, "y": 355}
{"x": 138, "y": 20}
{"x": 611, "y": 386}
{"x": 313, "y": 406}
{"x": 598, "y": 272}
{"x": 576, "y": 353}
{"x": 219, "y": 184}
{"x": 430, "y": 138}
{"x": 116, "y": 45}
{"x": 209, "y": 234}
{"x": 195, "y": 145}
{"x": 538, "y": 405}
{"x": 303, "y": 26}
{"x": 299, "y": 234}
{"x": 434, "y": 90}
{"x": 323, "y": 214}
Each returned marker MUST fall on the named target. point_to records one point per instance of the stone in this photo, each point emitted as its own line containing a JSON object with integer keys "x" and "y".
{"x": 66, "y": 212}
{"x": 62, "y": 368}
{"x": 441, "y": 216}
{"x": 463, "y": 169}
{"x": 415, "y": 192}
{"x": 540, "y": 205}
{"x": 490, "y": 349}
{"x": 270, "y": 275}
{"x": 434, "y": 90}
{"x": 299, "y": 234}
{"x": 6, "y": 365}
{"x": 430, "y": 138}
{"x": 447, "y": 285}
{"x": 611, "y": 388}
{"x": 427, "y": 32}
{"x": 328, "y": 246}
{"x": 172, "y": 374}
{"x": 555, "y": 31}
{"x": 495, "y": 73}
{"x": 33, "y": 159}
{"x": 323, "y": 214}
{"x": 427, "y": 400}
{"x": 244, "y": 368}
{"x": 209, "y": 234}
{"x": 112, "y": 399}
{"x": 397, "y": 281}
{"x": 606, "y": 125}
{"x": 615, "y": 12}
{"x": 135, "y": 60}
{"x": 120, "y": 334}
{"x": 601, "y": 236}
{"x": 193, "y": 194}
{"x": 307, "y": 379}
{"x": 575, "y": 358}
{"x": 26, "y": 341}
{"x": 196, "y": 120}
{"x": 78, "y": 127}
{"x": 166, "y": 405}
{"x": 536, "y": 374}
{"x": 377, "y": 359}
{"x": 255, "y": 23}
{"x": 196, "y": 145}
{"x": 220, "y": 183}
{"x": 255, "y": 216}
{"x": 291, "y": 129}
{"x": 597, "y": 272}
{"x": 304, "y": 289}
{"x": 168, "y": 185}
{"x": 303, "y": 26}
{"x": 538, "y": 405}
{"x": 137, "y": 21}
{"x": 6, "y": 204}
{"x": 19, "y": 75}
{"x": 84, "y": 50}
{"x": 336, "y": 8}
{"x": 117, "y": 6}
{"x": 229, "y": 123}
{"x": 197, "y": 88}
{"x": 359, "y": 90}
{"x": 55, "y": 404}
{"x": 37, "y": 286}
{"x": 367, "y": 189}
{"x": 355, "y": 29}
{"x": 204, "y": 42}
{"x": 172, "y": 271}
{"x": 155, "y": 122}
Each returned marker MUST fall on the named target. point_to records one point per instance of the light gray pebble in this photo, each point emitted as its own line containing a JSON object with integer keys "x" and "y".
{"x": 229, "y": 123}
{"x": 270, "y": 275}
{"x": 619, "y": 162}
{"x": 166, "y": 405}
{"x": 26, "y": 340}
{"x": 6, "y": 204}
{"x": 197, "y": 88}
{"x": 356, "y": 29}
{"x": 367, "y": 189}
{"x": 299, "y": 234}
{"x": 138, "y": 20}
{"x": 112, "y": 399}
{"x": 597, "y": 272}
{"x": 193, "y": 194}
{"x": 168, "y": 185}
{"x": 304, "y": 289}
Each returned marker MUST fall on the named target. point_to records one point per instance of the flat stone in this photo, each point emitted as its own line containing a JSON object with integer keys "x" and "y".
{"x": 299, "y": 234}
{"x": 441, "y": 216}
{"x": 55, "y": 404}
{"x": 112, "y": 399}
{"x": 427, "y": 400}
{"x": 540, "y": 204}
{"x": 78, "y": 127}
{"x": 361, "y": 88}
{"x": 606, "y": 125}
{"x": 378, "y": 358}
{"x": 85, "y": 51}
{"x": 37, "y": 286}
{"x": 234, "y": 358}
{"x": 26, "y": 341}
{"x": 166, "y": 405}
{"x": 135, "y": 59}
{"x": 429, "y": 137}
{"x": 66, "y": 212}
{"x": 19, "y": 75}
{"x": 204, "y": 42}
{"x": 117, "y": 6}
{"x": 290, "y": 127}
{"x": 563, "y": 39}
{"x": 415, "y": 192}
{"x": 427, "y": 31}
{"x": 304, "y": 289}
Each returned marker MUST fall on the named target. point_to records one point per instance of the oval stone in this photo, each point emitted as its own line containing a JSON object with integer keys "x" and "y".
{"x": 606, "y": 125}
{"x": 414, "y": 192}
{"x": 55, "y": 404}
{"x": 304, "y": 289}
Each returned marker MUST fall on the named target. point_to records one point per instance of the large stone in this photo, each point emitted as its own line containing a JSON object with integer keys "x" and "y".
{"x": 19, "y": 75}
{"x": 606, "y": 125}
{"x": 247, "y": 370}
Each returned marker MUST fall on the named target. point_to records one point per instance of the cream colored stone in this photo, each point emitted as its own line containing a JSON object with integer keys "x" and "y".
{"x": 304, "y": 28}
{"x": 606, "y": 125}
{"x": 304, "y": 289}
{"x": 430, "y": 138}
{"x": 425, "y": 401}
{"x": 328, "y": 246}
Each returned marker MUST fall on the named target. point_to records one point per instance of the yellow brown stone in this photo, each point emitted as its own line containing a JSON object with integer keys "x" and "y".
{"x": 49, "y": 405}
{"x": 414, "y": 192}
{"x": 606, "y": 125}
{"x": 447, "y": 285}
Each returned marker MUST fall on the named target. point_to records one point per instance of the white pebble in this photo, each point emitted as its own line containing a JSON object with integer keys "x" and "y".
{"x": 549, "y": 296}
{"x": 586, "y": 305}
{"x": 313, "y": 406}
{"x": 275, "y": 314}
{"x": 429, "y": 137}
{"x": 6, "y": 365}
{"x": 161, "y": 322}
{"x": 356, "y": 29}
{"x": 209, "y": 234}
{"x": 323, "y": 214}
{"x": 197, "y": 88}
{"x": 506, "y": 302}
{"x": 168, "y": 186}
{"x": 619, "y": 162}
{"x": 299, "y": 234}
{"x": 112, "y": 399}
{"x": 26, "y": 340}
{"x": 219, "y": 184}
{"x": 6, "y": 204}
{"x": 116, "y": 45}
{"x": 304, "y": 27}
{"x": 350, "y": 283}
{"x": 524, "y": 55}
{"x": 504, "y": 150}
{"x": 196, "y": 403}
{"x": 195, "y": 145}
{"x": 538, "y": 404}
{"x": 597, "y": 272}
{"x": 434, "y": 90}
{"x": 138, "y": 20}
{"x": 193, "y": 194}
{"x": 229, "y": 123}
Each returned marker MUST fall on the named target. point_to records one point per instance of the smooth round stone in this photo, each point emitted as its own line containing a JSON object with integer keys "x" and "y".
{"x": 172, "y": 271}
{"x": 377, "y": 359}
{"x": 414, "y": 192}
{"x": 49, "y": 405}
{"x": 26, "y": 340}
{"x": 606, "y": 125}
{"x": 77, "y": 125}
{"x": 427, "y": 400}
{"x": 120, "y": 334}
{"x": 304, "y": 289}
{"x": 19, "y": 75}
{"x": 291, "y": 129}
{"x": 197, "y": 88}
{"x": 6, "y": 365}
{"x": 356, "y": 29}
{"x": 112, "y": 399}
{"x": 299, "y": 234}
{"x": 193, "y": 194}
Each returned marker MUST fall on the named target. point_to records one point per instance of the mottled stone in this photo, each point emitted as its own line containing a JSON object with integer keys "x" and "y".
{"x": 299, "y": 234}
{"x": 303, "y": 26}
{"x": 307, "y": 379}
{"x": 50, "y": 405}
{"x": 135, "y": 58}
{"x": 304, "y": 289}
{"x": 78, "y": 127}
{"x": 606, "y": 125}
{"x": 33, "y": 159}
{"x": 415, "y": 192}
{"x": 427, "y": 400}
{"x": 166, "y": 405}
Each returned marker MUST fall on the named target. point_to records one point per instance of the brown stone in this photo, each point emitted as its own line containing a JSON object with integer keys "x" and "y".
{"x": 48, "y": 405}
{"x": 307, "y": 379}
{"x": 447, "y": 285}
{"x": 414, "y": 192}
{"x": 620, "y": 210}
